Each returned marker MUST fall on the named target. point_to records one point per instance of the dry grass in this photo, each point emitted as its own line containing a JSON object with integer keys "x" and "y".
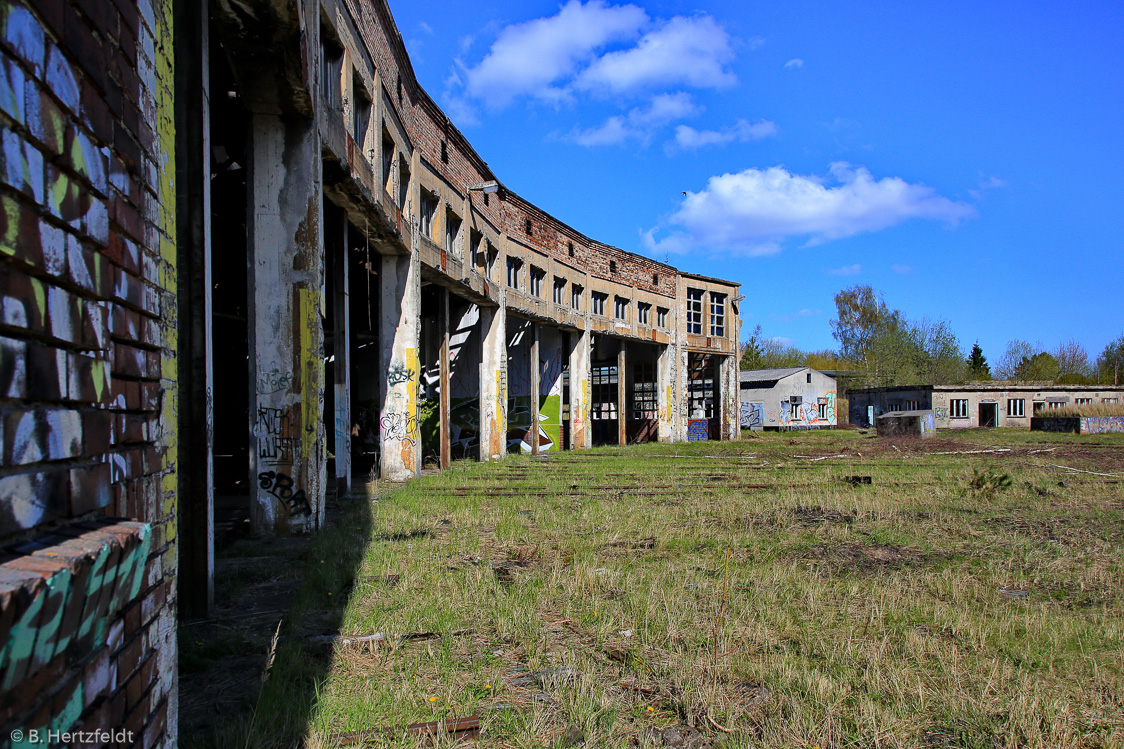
{"x": 746, "y": 591}
{"x": 1092, "y": 409}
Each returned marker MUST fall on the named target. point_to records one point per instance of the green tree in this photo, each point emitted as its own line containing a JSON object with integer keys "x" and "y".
{"x": 1042, "y": 367}
{"x": 1110, "y": 364}
{"x": 977, "y": 363}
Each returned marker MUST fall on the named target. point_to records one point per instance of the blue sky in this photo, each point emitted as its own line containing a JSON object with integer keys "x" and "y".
{"x": 966, "y": 160}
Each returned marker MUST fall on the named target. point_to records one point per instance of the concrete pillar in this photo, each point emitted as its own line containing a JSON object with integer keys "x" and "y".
{"x": 445, "y": 412}
{"x": 536, "y": 375}
{"x": 665, "y": 393}
{"x": 622, "y": 394}
{"x": 286, "y": 282}
{"x": 682, "y": 359}
{"x": 493, "y": 383}
{"x": 581, "y": 433}
{"x": 731, "y": 410}
{"x": 550, "y": 388}
{"x": 341, "y": 335}
{"x": 195, "y": 468}
{"x": 399, "y": 338}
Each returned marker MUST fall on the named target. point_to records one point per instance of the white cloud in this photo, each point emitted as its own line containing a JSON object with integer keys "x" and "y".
{"x": 903, "y": 269}
{"x": 530, "y": 58}
{"x": 425, "y": 27}
{"x": 684, "y": 51}
{"x": 846, "y": 270}
{"x": 795, "y": 62}
{"x": 689, "y": 137}
{"x": 640, "y": 122}
{"x": 755, "y": 42}
{"x": 754, "y": 211}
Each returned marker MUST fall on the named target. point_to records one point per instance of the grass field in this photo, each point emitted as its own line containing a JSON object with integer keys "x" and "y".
{"x": 757, "y": 593}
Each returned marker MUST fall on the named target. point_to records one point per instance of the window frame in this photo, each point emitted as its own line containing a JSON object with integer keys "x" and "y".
{"x": 958, "y": 408}
{"x": 514, "y": 268}
{"x": 717, "y": 315}
{"x": 1016, "y": 408}
{"x": 694, "y": 311}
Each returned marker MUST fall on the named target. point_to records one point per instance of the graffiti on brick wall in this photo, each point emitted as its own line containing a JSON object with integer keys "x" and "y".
{"x": 278, "y": 433}
{"x": 281, "y": 486}
{"x": 68, "y": 612}
{"x": 751, "y": 415}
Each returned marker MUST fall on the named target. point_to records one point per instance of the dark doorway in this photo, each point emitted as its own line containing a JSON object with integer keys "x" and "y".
{"x": 989, "y": 415}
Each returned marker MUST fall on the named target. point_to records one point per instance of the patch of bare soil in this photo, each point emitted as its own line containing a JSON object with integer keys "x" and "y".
{"x": 862, "y": 559}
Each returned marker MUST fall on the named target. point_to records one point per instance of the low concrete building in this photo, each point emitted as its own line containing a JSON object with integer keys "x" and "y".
{"x": 977, "y": 404}
{"x": 906, "y": 424}
{"x": 787, "y": 398}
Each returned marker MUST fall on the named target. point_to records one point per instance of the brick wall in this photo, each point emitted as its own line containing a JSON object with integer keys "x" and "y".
{"x": 87, "y": 369}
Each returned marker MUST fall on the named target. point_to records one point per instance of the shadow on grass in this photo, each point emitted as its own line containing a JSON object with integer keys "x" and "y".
{"x": 286, "y": 703}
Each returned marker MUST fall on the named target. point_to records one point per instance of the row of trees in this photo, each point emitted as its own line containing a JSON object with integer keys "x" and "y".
{"x": 882, "y": 347}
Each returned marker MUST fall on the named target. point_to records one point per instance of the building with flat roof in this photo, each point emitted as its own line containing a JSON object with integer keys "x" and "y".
{"x": 976, "y": 404}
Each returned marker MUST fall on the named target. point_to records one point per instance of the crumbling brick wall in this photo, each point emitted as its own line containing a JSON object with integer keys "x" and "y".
{"x": 87, "y": 370}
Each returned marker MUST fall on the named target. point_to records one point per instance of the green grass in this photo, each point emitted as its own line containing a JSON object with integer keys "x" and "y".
{"x": 744, "y": 585}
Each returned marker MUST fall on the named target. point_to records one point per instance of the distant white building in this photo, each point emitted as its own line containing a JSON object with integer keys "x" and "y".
{"x": 787, "y": 398}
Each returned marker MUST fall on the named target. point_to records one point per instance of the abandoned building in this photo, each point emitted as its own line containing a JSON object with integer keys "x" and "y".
{"x": 787, "y": 398}
{"x": 976, "y": 404}
{"x": 245, "y": 256}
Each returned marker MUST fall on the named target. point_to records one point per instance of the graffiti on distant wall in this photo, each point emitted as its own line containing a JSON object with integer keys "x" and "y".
{"x": 278, "y": 433}
{"x": 809, "y": 411}
{"x": 940, "y": 413}
{"x": 751, "y": 416}
{"x": 698, "y": 430}
{"x": 1102, "y": 424}
{"x": 281, "y": 486}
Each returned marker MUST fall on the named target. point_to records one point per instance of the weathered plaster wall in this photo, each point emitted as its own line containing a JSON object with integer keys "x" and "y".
{"x": 88, "y": 372}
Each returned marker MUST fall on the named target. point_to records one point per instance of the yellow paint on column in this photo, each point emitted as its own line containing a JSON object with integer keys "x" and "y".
{"x": 408, "y": 444}
{"x": 670, "y": 409}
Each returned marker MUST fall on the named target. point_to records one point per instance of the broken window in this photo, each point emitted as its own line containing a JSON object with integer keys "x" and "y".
{"x": 537, "y": 276}
{"x": 452, "y": 233}
{"x": 823, "y": 410}
{"x": 514, "y": 264}
{"x": 559, "y": 290}
{"x": 1016, "y": 407}
{"x": 603, "y": 392}
{"x": 493, "y": 255}
{"x": 694, "y": 311}
{"x": 527, "y": 226}
{"x": 388, "y": 163}
{"x": 643, "y": 312}
{"x": 429, "y": 203}
{"x": 570, "y": 247}
{"x": 361, "y": 112}
{"x": 479, "y": 249}
{"x": 444, "y": 152}
{"x": 620, "y": 308}
{"x": 1083, "y": 401}
{"x": 404, "y": 182}
{"x": 644, "y": 403}
{"x": 331, "y": 69}
{"x": 599, "y": 303}
{"x": 718, "y": 317}
{"x": 958, "y": 408}
{"x": 661, "y": 317}
{"x": 576, "y": 296}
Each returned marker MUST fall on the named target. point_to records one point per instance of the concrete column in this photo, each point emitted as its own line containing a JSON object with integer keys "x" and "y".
{"x": 493, "y": 383}
{"x": 195, "y": 468}
{"x": 731, "y": 410}
{"x": 399, "y": 338}
{"x": 286, "y": 290}
{"x": 622, "y": 394}
{"x": 550, "y": 388}
{"x": 445, "y": 412}
{"x": 581, "y": 434}
{"x": 341, "y": 335}
{"x": 536, "y": 376}
{"x": 665, "y": 393}
{"x": 682, "y": 358}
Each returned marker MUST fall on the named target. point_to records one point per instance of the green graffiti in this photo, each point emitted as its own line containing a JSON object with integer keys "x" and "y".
{"x": 550, "y": 422}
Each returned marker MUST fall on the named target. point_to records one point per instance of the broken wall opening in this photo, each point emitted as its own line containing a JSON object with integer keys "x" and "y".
{"x": 465, "y": 355}
{"x": 519, "y": 419}
{"x": 604, "y": 391}
{"x": 643, "y": 393}
{"x": 363, "y": 298}
{"x": 232, "y": 420}
{"x": 703, "y": 422}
